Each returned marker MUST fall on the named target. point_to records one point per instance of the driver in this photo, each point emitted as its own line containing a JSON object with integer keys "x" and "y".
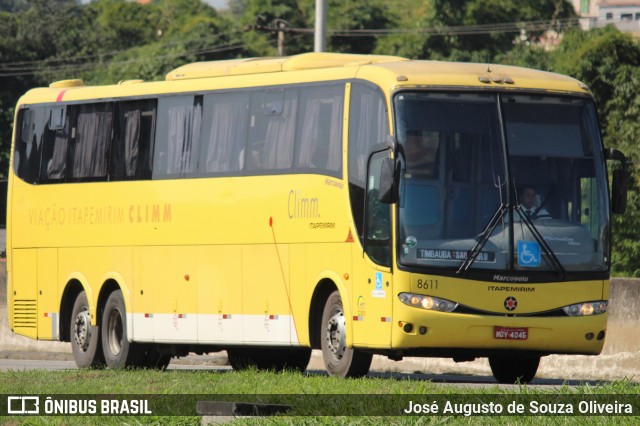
{"x": 529, "y": 203}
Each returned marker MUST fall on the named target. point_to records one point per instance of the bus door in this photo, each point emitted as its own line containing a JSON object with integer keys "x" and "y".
{"x": 372, "y": 281}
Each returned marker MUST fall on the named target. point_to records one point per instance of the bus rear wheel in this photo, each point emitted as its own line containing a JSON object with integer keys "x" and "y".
{"x": 85, "y": 338}
{"x": 511, "y": 369}
{"x": 340, "y": 360}
{"x": 118, "y": 351}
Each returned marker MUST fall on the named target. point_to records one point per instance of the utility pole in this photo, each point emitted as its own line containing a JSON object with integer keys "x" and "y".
{"x": 320, "y": 44}
{"x": 279, "y": 26}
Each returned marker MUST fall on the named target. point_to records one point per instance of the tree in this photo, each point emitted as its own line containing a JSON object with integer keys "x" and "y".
{"x": 441, "y": 22}
{"x": 345, "y": 15}
{"x": 609, "y": 63}
{"x": 258, "y": 14}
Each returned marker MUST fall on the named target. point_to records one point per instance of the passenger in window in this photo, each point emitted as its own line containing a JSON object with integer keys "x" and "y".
{"x": 421, "y": 152}
{"x": 529, "y": 204}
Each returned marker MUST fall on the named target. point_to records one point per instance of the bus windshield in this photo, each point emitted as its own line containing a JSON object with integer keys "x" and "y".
{"x": 502, "y": 182}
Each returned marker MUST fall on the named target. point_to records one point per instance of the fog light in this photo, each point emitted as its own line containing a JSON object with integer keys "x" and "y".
{"x": 588, "y": 336}
{"x": 408, "y": 328}
{"x": 423, "y": 330}
{"x": 601, "y": 335}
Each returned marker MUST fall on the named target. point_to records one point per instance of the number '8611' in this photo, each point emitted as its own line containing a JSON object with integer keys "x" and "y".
{"x": 427, "y": 284}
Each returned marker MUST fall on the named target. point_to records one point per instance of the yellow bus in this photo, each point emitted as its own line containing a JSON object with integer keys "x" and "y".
{"x": 355, "y": 204}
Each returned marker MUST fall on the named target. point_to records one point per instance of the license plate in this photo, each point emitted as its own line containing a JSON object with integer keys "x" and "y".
{"x": 509, "y": 333}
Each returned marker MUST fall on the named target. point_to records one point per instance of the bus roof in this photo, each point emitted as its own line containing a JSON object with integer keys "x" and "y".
{"x": 304, "y": 61}
{"x": 389, "y": 72}
{"x": 402, "y": 71}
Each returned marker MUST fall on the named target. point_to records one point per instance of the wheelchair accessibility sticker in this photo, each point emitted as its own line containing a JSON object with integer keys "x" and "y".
{"x": 528, "y": 254}
{"x": 379, "y": 292}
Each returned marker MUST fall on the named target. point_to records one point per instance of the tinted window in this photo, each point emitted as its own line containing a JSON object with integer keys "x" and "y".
{"x": 53, "y": 166}
{"x": 91, "y": 141}
{"x": 133, "y": 134}
{"x": 320, "y": 129}
{"x": 272, "y": 130}
{"x": 224, "y": 132}
{"x": 368, "y": 126}
{"x": 29, "y": 143}
{"x": 177, "y": 136}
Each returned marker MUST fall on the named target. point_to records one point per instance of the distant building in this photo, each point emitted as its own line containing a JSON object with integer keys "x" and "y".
{"x": 624, "y": 14}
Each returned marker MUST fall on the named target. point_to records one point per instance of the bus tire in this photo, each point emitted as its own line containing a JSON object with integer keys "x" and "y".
{"x": 85, "y": 338}
{"x": 512, "y": 369}
{"x": 340, "y": 360}
{"x": 118, "y": 352}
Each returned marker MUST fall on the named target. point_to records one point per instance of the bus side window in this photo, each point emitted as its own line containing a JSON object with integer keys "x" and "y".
{"x": 133, "y": 135}
{"x": 378, "y": 215}
{"x": 177, "y": 136}
{"x": 91, "y": 143}
{"x": 23, "y": 139}
{"x": 272, "y": 130}
{"x": 53, "y": 167}
{"x": 225, "y": 120}
{"x": 29, "y": 145}
{"x": 368, "y": 126}
{"x": 319, "y": 135}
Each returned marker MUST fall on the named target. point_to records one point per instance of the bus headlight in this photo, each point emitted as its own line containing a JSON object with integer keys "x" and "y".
{"x": 585, "y": 309}
{"x": 427, "y": 302}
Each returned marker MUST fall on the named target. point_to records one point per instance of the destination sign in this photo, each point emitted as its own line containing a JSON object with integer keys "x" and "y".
{"x": 458, "y": 255}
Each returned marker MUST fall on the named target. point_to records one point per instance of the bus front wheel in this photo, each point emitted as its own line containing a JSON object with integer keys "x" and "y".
{"x": 339, "y": 359}
{"x": 511, "y": 369}
{"x": 85, "y": 338}
{"x": 118, "y": 351}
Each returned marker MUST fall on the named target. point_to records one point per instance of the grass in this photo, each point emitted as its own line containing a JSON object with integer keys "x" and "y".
{"x": 307, "y": 393}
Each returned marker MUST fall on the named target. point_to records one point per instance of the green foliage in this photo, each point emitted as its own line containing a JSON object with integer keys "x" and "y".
{"x": 596, "y": 58}
{"x": 441, "y": 20}
{"x": 609, "y": 63}
{"x": 13, "y": 5}
{"x": 355, "y": 15}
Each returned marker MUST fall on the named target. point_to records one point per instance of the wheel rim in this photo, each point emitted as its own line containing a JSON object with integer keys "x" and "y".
{"x": 82, "y": 329}
{"x": 336, "y": 335}
{"x": 115, "y": 331}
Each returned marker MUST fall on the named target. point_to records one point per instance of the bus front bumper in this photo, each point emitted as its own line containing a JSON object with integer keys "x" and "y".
{"x": 416, "y": 329}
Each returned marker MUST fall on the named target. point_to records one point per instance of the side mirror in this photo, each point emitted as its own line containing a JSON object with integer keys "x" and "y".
{"x": 619, "y": 181}
{"x": 387, "y": 193}
{"x": 619, "y": 187}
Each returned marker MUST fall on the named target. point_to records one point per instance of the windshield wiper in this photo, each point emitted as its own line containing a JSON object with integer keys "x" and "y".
{"x": 488, "y": 230}
{"x": 553, "y": 259}
{"x": 484, "y": 237}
